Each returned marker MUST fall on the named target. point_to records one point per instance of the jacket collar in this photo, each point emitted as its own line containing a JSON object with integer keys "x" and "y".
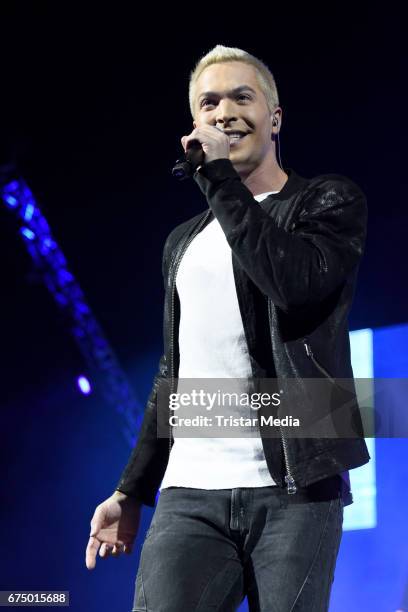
{"x": 294, "y": 184}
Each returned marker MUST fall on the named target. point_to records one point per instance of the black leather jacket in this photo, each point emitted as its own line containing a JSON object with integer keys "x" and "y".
{"x": 295, "y": 260}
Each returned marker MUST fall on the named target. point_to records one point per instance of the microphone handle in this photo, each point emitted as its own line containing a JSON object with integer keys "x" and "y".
{"x": 193, "y": 157}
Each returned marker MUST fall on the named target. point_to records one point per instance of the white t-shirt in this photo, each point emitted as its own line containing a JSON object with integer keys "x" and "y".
{"x": 212, "y": 345}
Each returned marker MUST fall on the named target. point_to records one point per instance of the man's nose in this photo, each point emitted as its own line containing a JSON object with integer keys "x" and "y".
{"x": 226, "y": 112}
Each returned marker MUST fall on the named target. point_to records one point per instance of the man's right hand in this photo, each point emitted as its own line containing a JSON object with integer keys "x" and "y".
{"x": 114, "y": 527}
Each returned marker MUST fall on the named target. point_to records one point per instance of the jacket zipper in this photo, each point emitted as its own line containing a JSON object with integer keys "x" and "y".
{"x": 290, "y": 481}
{"x": 176, "y": 263}
{"x": 309, "y": 353}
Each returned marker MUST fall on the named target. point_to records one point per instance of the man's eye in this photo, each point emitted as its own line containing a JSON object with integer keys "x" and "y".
{"x": 209, "y": 101}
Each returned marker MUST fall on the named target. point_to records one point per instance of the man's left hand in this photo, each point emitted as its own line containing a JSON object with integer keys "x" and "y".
{"x": 215, "y": 144}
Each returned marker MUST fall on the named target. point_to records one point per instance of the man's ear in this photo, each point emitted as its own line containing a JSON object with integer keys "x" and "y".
{"x": 194, "y": 125}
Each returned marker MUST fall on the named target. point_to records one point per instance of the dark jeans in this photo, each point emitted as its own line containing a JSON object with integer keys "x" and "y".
{"x": 205, "y": 550}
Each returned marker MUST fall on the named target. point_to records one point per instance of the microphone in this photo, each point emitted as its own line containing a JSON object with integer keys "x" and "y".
{"x": 187, "y": 165}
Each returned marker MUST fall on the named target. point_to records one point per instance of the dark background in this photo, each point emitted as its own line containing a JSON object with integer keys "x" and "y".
{"x": 94, "y": 102}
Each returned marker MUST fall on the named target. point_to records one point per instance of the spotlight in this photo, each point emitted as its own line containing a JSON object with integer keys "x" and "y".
{"x": 27, "y": 233}
{"x": 84, "y": 385}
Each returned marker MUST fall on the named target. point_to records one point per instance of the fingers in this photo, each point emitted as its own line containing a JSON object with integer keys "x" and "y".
{"x": 202, "y": 133}
{"x": 119, "y": 548}
{"x": 107, "y": 550}
{"x": 91, "y": 550}
{"x": 93, "y": 542}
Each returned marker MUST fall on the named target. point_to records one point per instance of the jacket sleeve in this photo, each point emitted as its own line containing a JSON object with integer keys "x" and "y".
{"x": 147, "y": 463}
{"x": 294, "y": 268}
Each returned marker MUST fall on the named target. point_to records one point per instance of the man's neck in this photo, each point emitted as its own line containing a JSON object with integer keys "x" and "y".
{"x": 266, "y": 177}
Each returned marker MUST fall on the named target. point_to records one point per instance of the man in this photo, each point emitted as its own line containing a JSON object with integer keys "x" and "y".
{"x": 258, "y": 286}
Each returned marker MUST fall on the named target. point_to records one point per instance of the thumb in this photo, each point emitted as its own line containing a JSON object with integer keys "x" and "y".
{"x": 96, "y": 523}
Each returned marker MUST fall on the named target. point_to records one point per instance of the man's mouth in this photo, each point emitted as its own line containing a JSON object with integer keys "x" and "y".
{"x": 234, "y": 138}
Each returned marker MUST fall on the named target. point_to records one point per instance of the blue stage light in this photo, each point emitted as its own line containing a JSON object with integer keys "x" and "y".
{"x": 27, "y": 233}
{"x": 28, "y": 212}
{"x": 10, "y": 200}
{"x": 84, "y": 385}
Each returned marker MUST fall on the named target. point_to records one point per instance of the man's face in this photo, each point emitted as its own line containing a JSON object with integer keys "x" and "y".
{"x": 228, "y": 96}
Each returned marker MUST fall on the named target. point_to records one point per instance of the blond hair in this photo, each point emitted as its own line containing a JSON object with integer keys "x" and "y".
{"x": 232, "y": 54}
